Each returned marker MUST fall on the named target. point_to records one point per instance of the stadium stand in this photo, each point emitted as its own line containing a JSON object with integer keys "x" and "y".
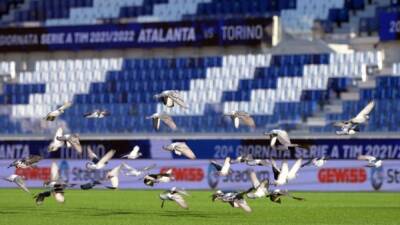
{"x": 280, "y": 90}
{"x": 276, "y": 89}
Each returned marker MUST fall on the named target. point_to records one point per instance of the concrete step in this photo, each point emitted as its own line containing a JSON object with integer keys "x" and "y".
{"x": 350, "y": 96}
{"x": 316, "y": 121}
{"x": 371, "y": 83}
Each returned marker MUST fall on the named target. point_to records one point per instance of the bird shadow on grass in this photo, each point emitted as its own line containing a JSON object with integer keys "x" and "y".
{"x": 186, "y": 213}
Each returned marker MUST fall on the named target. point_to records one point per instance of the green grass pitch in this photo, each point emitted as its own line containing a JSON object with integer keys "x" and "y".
{"x": 120, "y": 207}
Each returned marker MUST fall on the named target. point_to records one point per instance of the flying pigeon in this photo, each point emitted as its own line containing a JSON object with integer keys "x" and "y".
{"x": 96, "y": 163}
{"x": 112, "y": 175}
{"x": 152, "y": 179}
{"x": 284, "y": 175}
{"x": 351, "y": 126}
{"x": 280, "y": 140}
{"x": 26, "y": 162}
{"x": 235, "y": 199}
{"x": 259, "y": 189}
{"x": 176, "y": 195}
{"x": 55, "y": 186}
{"x": 90, "y": 185}
{"x": 277, "y": 194}
{"x": 180, "y": 148}
{"x": 240, "y": 116}
{"x": 130, "y": 171}
{"x": 223, "y": 170}
{"x": 97, "y": 114}
{"x": 372, "y": 161}
{"x": 18, "y": 180}
{"x": 317, "y": 162}
{"x": 250, "y": 161}
{"x": 134, "y": 154}
{"x": 60, "y": 139}
{"x": 54, "y": 114}
{"x": 170, "y": 97}
{"x": 158, "y": 117}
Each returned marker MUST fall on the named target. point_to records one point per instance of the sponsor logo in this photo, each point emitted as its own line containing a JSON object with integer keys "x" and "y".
{"x": 80, "y": 174}
{"x": 234, "y": 177}
{"x": 193, "y": 174}
{"x": 342, "y": 175}
{"x": 377, "y": 177}
{"x": 393, "y": 176}
{"x": 35, "y": 173}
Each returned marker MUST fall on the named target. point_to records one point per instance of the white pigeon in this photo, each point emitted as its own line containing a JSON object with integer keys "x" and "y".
{"x": 170, "y": 97}
{"x": 56, "y": 143}
{"x": 223, "y": 170}
{"x": 56, "y": 113}
{"x": 95, "y": 163}
{"x": 97, "y": 114}
{"x": 134, "y": 154}
{"x": 280, "y": 140}
{"x": 112, "y": 176}
{"x": 18, "y": 180}
{"x": 71, "y": 140}
{"x": 176, "y": 195}
{"x": 55, "y": 184}
{"x": 240, "y": 116}
{"x": 152, "y": 179}
{"x": 26, "y": 162}
{"x": 372, "y": 161}
{"x": 284, "y": 175}
{"x": 317, "y": 162}
{"x": 235, "y": 199}
{"x": 130, "y": 171}
{"x": 180, "y": 148}
{"x": 350, "y": 127}
{"x": 158, "y": 117}
{"x": 259, "y": 189}
{"x": 276, "y": 195}
{"x": 250, "y": 161}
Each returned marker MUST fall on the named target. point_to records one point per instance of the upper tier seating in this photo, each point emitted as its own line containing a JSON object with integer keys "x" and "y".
{"x": 279, "y": 90}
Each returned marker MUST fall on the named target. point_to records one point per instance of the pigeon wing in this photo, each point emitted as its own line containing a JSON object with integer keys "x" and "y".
{"x": 21, "y": 183}
{"x": 216, "y": 165}
{"x": 248, "y": 120}
{"x": 295, "y": 168}
{"x": 243, "y": 205}
{"x": 226, "y": 166}
{"x": 76, "y": 144}
{"x": 275, "y": 169}
{"x": 366, "y": 110}
{"x": 254, "y": 179}
{"x": 106, "y": 158}
{"x": 180, "y": 200}
{"x": 65, "y": 106}
{"x": 169, "y": 121}
{"x": 54, "y": 175}
{"x": 283, "y": 174}
{"x": 185, "y": 150}
{"x": 32, "y": 159}
{"x": 177, "y": 98}
{"x": 366, "y": 157}
{"x": 283, "y": 138}
{"x": 92, "y": 156}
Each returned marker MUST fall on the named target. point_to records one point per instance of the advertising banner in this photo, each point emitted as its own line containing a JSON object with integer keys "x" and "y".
{"x": 346, "y": 149}
{"x": 335, "y": 175}
{"x": 139, "y": 35}
{"x": 389, "y": 26}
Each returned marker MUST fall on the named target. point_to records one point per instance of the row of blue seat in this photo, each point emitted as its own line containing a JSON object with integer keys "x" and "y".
{"x": 41, "y": 10}
{"x": 156, "y": 75}
{"x": 299, "y": 59}
{"x": 172, "y": 63}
